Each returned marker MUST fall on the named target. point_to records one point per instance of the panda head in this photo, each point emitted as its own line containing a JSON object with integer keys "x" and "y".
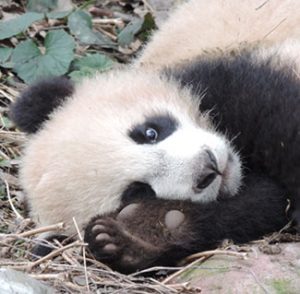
{"x": 120, "y": 128}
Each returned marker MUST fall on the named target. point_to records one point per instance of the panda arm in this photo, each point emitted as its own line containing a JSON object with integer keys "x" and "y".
{"x": 259, "y": 209}
{"x": 35, "y": 104}
{"x": 145, "y": 238}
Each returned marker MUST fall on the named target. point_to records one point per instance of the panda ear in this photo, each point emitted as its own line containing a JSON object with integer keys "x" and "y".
{"x": 35, "y": 104}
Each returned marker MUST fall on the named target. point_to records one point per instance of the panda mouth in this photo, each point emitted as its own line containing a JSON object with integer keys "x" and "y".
{"x": 137, "y": 191}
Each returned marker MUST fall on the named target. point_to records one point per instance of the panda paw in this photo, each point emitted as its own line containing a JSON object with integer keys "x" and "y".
{"x": 112, "y": 244}
{"x": 105, "y": 238}
{"x": 113, "y": 241}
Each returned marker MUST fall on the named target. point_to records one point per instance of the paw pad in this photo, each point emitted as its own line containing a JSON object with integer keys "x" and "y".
{"x": 173, "y": 219}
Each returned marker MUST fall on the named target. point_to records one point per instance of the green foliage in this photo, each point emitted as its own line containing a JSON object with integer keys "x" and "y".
{"x": 140, "y": 27}
{"x": 41, "y": 5}
{"x": 5, "y": 54}
{"x": 2, "y": 195}
{"x": 147, "y": 27}
{"x": 19, "y": 24}
{"x": 5, "y": 122}
{"x": 88, "y": 66}
{"x": 5, "y": 163}
{"x": 31, "y": 60}
{"x": 57, "y": 15}
{"x": 30, "y": 63}
{"x": 80, "y": 25}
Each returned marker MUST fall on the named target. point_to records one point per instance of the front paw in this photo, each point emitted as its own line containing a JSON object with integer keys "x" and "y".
{"x": 139, "y": 236}
{"x": 104, "y": 236}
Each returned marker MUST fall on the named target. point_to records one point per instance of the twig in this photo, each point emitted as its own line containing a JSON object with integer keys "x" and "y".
{"x": 155, "y": 268}
{"x": 178, "y": 273}
{"x": 59, "y": 276}
{"x": 72, "y": 261}
{"x": 54, "y": 253}
{"x": 201, "y": 256}
{"x": 114, "y": 21}
{"x": 111, "y": 36}
{"x": 148, "y": 6}
{"x": 83, "y": 255}
{"x": 9, "y": 97}
{"x": 56, "y": 227}
{"x": 10, "y": 201}
{"x": 214, "y": 252}
{"x": 11, "y": 91}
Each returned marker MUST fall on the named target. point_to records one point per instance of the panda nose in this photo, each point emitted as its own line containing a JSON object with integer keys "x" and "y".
{"x": 209, "y": 172}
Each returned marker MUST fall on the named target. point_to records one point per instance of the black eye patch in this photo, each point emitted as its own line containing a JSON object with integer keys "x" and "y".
{"x": 154, "y": 129}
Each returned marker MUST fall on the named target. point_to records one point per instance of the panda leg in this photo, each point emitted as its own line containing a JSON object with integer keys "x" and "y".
{"x": 45, "y": 244}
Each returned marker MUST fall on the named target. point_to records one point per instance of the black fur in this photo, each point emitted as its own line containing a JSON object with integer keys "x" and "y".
{"x": 35, "y": 104}
{"x": 142, "y": 239}
{"x": 258, "y": 106}
{"x": 44, "y": 247}
{"x": 163, "y": 125}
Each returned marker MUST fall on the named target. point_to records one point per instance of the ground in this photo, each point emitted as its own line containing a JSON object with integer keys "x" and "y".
{"x": 106, "y": 34}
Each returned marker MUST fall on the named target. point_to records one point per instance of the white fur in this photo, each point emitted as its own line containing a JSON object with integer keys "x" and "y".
{"x": 199, "y": 26}
{"x": 182, "y": 163}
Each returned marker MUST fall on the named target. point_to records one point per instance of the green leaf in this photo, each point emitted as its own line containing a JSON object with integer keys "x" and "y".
{"x": 5, "y": 163}
{"x": 78, "y": 75}
{"x": 97, "y": 61}
{"x": 30, "y": 63}
{"x": 137, "y": 27}
{"x": 5, "y": 122}
{"x": 80, "y": 25}
{"x": 147, "y": 27}
{"x": 5, "y": 54}
{"x": 89, "y": 65}
{"x": 126, "y": 36}
{"x": 41, "y": 5}
{"x": 19, "y": 24}
{"x": 58, "y": 14}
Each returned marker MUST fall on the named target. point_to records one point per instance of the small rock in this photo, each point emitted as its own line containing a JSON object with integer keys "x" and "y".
{"x": 14, "y": 282}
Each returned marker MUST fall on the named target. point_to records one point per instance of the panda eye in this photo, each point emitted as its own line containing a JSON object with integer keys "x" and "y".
{"x": 154, "y": 129}
{"x": 151, "y": 135}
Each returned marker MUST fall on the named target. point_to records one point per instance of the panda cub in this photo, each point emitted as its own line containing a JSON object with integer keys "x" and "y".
{"x": 148, "y": 156}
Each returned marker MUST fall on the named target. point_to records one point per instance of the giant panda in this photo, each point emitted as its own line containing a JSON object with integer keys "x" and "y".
{"x": 95, "y": 147}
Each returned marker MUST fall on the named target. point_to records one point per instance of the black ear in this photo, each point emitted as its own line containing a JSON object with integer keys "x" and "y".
{"x": 35, "y": 104}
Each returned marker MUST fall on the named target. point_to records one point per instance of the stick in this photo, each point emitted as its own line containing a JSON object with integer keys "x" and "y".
{"x": 11, "y": 203}
{"x": 83, "y": 255}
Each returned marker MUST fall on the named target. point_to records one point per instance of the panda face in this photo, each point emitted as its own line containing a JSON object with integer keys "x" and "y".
{"x": 188, "y": 161}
